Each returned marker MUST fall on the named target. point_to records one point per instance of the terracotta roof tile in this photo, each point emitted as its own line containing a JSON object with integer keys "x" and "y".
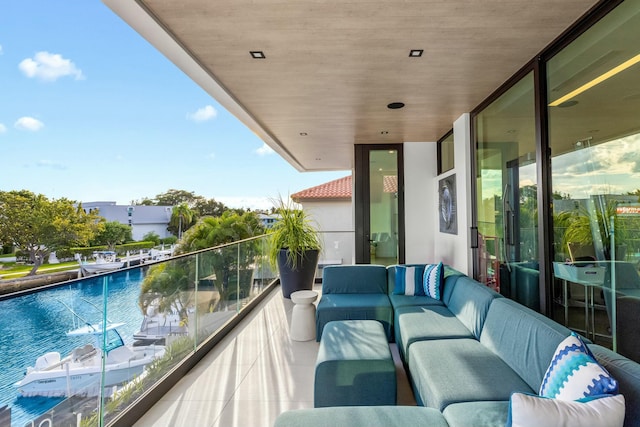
{"x": 336, "y": 189}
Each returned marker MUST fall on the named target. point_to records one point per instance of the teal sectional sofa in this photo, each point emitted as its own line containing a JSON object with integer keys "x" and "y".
{"x": 354, "y": 292}
{"x": 465, "y": 355}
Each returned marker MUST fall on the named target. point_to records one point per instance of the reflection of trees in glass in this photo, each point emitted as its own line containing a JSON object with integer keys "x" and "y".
{"x": 167, "y": 286}
{"x": 170, "y": 285}
{"x": 578, "y": 228}
{"x": 528, "y": 223}
{"x": 223, "y": 265}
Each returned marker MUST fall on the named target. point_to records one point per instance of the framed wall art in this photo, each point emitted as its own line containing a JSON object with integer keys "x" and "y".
{"x": 447, "y": 206}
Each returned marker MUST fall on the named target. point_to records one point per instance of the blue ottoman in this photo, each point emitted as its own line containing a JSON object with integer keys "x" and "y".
{"x": 354, "y": 365}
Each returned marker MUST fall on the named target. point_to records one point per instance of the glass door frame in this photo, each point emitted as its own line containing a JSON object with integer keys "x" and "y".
{"x": 362, "y": 199}
{"x": 543, "y": 150}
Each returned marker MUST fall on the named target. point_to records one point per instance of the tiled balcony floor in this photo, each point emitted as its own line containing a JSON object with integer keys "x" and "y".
{"x": 252, "y": 376}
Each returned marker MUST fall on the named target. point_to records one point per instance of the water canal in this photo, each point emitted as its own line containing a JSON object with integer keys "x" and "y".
{"x": 34, "y": 324}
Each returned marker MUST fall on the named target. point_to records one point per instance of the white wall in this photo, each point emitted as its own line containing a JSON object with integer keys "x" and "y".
{"x": 334, "y": 219}
{"x": 420, "y": 201}
{"x": 424, "y": 241}
{"x": 455, "y": 249}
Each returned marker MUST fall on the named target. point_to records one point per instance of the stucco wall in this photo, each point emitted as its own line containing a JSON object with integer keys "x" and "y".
{"x": 335, "y": 222}
{"x": 424, "y": 241}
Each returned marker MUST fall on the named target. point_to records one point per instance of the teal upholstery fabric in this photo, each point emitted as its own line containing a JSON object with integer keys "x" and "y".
{"x": 370, "y": 416}
{"x": 523, "y": 338}
{"x": 451, "y": 277}
{"x": 354, "y": 292}
{"x": 426, "y": 323}
{"x": 354, "y": 307}
{"x": 627, "y": 373}
{"x": 354, "y": 366}
{"x": 477, "y": 414}
{"x": 444, "y": 372}
{"x": 398, "y": 301}
{"x": 469, "y": 302}
{"x": 354, "y": 279}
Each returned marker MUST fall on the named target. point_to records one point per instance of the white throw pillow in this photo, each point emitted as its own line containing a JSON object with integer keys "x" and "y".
{"x": 533, "y": 411}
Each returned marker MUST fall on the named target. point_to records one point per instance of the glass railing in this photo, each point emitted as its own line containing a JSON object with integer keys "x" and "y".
{"x": 84, "y": 352}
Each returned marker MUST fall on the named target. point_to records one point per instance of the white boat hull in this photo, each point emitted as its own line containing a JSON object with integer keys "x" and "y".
{"x": 69, "y": 378}
{"x": 104, "y": 267}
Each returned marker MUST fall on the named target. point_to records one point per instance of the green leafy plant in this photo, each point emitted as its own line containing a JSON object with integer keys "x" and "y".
{"x": 293, "y": 231}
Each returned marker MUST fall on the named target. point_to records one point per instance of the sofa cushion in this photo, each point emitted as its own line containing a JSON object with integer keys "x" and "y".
{"x": 477, "y": 414}
{"x": 354, "y": 366}
{"x": 533, "y": 411}
{"x": 627, "y": 372}
{"x": 362, "y": 416}
{"x": 398, "y": 301}
{"x": 354, "y": 279}
{"x": 524, "y": 339}
{"x": 354, "y": 307}
{"x": 426, "y": 323}
{"x": 450, "y": 371}
{"x": 408, "y": 280}
{"x": 574, "y": 373}
{"x": 434, "y": 280}
{"x": 469, "y": 302}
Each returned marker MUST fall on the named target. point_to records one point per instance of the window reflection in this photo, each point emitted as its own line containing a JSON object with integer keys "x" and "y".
{"x": 594, "y": 134}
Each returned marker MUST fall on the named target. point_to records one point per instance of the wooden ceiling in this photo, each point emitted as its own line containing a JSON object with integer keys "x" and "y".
{"x": 333, "y": 66}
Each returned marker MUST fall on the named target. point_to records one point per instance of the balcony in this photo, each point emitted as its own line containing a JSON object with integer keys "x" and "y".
{"x": 251, "y": 376}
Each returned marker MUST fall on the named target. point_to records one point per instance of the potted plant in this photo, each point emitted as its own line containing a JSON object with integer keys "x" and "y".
{"x": 294, "y": 248}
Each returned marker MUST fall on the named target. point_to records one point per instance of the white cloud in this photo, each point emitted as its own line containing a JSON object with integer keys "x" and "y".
{"x": 50, "y": 164}
{"x": 253, "y": 203}
{"x": 1, "y": 52}
{"x": 28, "y": 123}
{"x": 3, "y": 128}
{"x": 203, "y": 114}
{"x": 49, "y": 67}
{"x": 265, "y": 150}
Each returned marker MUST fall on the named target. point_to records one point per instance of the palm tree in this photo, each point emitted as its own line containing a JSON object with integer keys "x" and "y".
{"x": 182, "y": 217}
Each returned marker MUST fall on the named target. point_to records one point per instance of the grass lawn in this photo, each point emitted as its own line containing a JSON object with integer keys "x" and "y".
{"x": 12, "y": 270}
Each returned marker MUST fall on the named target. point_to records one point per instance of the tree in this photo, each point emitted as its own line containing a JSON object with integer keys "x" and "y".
{"x": 177, "y": 197}
{"x": 209, "y": 207}
{"x": 113, "y": 233}
{"x": 152, "y": 236}
{"x": 144, "y": 202}
{"x": 39, "y": 226}
{"x": 215, "y": 231}
{"x": 170, "y": 284}
{"x": 182, "y": 218}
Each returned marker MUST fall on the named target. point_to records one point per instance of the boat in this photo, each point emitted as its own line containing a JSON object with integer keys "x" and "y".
{"x": 157, "y": 326}
{"x": 80, "y": 372}
{"x": 105, "y": 261}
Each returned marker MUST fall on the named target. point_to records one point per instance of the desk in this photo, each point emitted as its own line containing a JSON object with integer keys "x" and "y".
{"x": 590, "y": 278}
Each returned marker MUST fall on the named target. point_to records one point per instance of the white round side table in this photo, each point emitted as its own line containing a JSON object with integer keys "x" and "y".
{"x": 303, "y": 317}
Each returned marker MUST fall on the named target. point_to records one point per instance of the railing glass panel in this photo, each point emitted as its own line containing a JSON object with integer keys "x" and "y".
{"x": 116, "y": 336}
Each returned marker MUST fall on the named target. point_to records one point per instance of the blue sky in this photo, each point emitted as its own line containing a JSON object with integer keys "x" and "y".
{"x": 90, "y": 111}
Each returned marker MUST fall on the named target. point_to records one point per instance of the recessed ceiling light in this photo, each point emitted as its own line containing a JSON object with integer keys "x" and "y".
{"x": 395, "y": 105}
{"x": 257, "y": 54}
{"x": 416, "y": 53}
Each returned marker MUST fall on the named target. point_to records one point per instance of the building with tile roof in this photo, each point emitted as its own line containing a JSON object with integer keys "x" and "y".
{"x": 338, "y": 189}
{"x": 330, "y": 207}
